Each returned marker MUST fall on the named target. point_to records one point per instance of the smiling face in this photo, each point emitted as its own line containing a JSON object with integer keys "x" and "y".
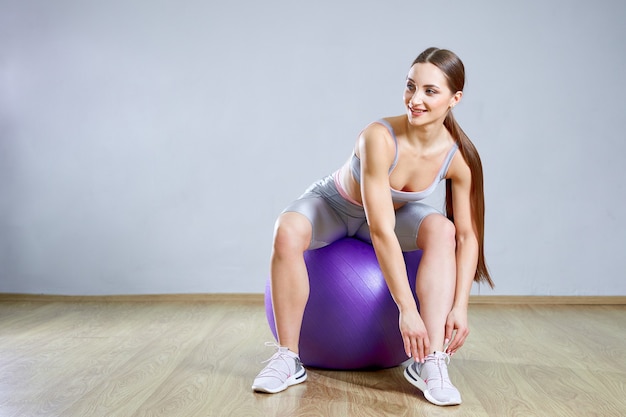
{"x": 427, "y": 96}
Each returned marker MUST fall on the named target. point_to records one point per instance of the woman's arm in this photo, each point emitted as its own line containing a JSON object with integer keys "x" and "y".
{"x": 376, "y": 153}
{"x": 466, "y": 252}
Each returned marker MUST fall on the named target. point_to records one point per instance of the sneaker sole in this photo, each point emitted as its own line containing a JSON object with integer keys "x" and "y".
{"x": 415, "y": 379}
{"x": 420, "y": 384}
{"x": 292, "y": 380}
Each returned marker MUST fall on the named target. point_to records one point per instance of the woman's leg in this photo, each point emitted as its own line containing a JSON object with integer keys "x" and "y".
{"x": 421, "y": 226}
{"x": 290, "y": 291}
{"x": 436, "y": 275}
{"x": 288, "y": 276}
{"x": 309, "y": 222}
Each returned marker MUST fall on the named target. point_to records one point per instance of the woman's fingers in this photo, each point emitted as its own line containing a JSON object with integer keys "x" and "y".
{"x": 416, "y": 347}
{"x": 407, "y": 346}
{"x": 419, "y": 348}
{"x": 458, "y": 340}
{"x": 414, "y": 336}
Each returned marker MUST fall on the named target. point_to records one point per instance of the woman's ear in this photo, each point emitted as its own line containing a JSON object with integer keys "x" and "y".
{"x": 455, "y": 99}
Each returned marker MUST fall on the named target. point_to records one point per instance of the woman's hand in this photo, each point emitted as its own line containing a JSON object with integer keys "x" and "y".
{"x": 414, "y": 335}
{"x": 457, "y": 320}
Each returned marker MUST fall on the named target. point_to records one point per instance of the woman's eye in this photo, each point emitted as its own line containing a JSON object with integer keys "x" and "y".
{"x": 430, "y": 91}
{"x": 410, "y": 87}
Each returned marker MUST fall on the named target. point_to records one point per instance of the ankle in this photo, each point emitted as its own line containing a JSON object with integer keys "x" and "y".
{"x": 292, "y": 348}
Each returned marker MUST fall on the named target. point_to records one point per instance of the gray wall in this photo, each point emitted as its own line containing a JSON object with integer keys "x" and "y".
{"x": 147, "y": 146}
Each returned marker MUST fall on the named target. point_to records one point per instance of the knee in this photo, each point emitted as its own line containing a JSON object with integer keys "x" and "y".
{"x": 437, "y": 231}
{"x": 292, "y": 232}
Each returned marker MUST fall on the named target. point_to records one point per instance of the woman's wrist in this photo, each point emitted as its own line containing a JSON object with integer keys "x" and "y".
{"x": 406, "y": 306}
{"x": 461, "y": 302}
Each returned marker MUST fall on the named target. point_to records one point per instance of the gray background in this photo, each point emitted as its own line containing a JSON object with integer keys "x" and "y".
{"x": 147, "y": 146}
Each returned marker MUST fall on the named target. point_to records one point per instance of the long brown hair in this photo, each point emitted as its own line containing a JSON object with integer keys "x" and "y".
{"x": 454, "y": 70}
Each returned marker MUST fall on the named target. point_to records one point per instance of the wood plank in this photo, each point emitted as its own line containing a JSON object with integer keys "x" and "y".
{"x": 179, "y": 358}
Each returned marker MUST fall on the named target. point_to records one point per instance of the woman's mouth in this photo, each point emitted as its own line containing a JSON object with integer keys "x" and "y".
{"x": 417, "y": 112}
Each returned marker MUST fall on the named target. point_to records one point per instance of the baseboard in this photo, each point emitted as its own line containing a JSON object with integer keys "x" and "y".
{"x": 258, "y": 298}
{"x": 548, "y": 299}
{"x": 136, "y": 298}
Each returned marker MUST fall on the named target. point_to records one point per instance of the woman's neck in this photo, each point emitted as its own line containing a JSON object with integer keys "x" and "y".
{"x": 426, "y": 136}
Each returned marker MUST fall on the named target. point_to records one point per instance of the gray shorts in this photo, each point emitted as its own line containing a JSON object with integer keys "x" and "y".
{"x": 333, "y": 217}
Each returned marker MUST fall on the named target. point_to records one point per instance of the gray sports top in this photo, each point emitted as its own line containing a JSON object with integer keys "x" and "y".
{"x": 405, "y": 196}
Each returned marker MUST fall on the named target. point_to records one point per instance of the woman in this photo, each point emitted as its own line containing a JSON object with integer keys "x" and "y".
{"x": 375, "y": 196}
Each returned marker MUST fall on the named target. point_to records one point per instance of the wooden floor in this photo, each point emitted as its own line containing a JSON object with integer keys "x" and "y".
{"x": 199, "y": 359}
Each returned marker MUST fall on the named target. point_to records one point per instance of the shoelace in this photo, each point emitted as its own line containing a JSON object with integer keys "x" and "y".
{"x": 269, "y": 371}
{"x": 273, "y": 345}
{"x": 439, "y": 359}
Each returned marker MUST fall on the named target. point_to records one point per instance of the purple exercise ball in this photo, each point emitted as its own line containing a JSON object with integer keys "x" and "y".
{"x": 350, "y": 320}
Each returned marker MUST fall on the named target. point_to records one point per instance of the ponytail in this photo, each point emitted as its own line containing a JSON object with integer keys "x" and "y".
{"x": 477, "y": 196}
{"x": 453, "y": 69}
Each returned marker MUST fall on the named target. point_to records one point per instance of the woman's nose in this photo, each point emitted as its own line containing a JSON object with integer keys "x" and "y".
{"x": 416, "y": 98}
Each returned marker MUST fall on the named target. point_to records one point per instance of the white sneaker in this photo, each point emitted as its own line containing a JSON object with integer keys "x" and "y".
{"x": 283, "y": 370}
{"x": 431, "y": 377}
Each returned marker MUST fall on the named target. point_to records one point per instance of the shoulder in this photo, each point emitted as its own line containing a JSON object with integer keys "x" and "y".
{"x": 380, "y": 127}
{"x": 459, "y": 171}
{"x": 376, "y": 147}
{"x": 377, "y": 135}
